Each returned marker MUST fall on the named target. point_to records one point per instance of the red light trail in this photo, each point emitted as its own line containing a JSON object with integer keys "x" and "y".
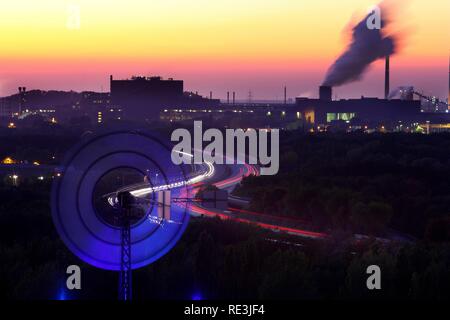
{"x": 249, "y": 170}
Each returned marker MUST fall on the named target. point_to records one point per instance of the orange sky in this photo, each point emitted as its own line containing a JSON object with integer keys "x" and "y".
{"x": 257, "y": 45}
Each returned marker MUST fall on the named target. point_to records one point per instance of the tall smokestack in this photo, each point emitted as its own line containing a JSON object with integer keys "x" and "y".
{"x": 386, "y": 78}
{"x": 325, "y": 93}
{"x": 228, "y": 97}
{"x": 285, "y": 95}
{"x": 21, "y": 98}
{"x": 234, "y": 98}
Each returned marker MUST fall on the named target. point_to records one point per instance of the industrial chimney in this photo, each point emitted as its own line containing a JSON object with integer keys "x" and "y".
{"x": 21, "y": 98}
{"x": 325, "y": 93}
{"x": 386, "y": 79}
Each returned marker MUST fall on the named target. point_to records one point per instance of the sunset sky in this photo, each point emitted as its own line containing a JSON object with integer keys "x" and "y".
{"x": 229, "y": 45}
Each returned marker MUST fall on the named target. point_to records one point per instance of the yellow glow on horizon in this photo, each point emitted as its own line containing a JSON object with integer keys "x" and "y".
{"x": 229, "y": 29}
{"x": 213, "y": 44}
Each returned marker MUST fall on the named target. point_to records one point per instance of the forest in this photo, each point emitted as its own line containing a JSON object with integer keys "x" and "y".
{"x": 379, "y": 184}
{"x": 391, "y": 186}
{"x": 216, "y": 259}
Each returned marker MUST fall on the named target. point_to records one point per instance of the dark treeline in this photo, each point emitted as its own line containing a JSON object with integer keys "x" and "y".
{"x": 359, "y": 183}
{"x": 373, "y": 184}
{"x": 35, "y": 145}
{"x": 216, "y": 260}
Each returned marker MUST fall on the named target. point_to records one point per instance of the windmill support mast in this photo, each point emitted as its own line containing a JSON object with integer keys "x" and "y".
{"x": 125, "y": 263}
{"x": 125, "y": 279}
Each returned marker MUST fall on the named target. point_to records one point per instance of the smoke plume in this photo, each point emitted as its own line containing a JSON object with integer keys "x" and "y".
{"x": 366, "y": 47}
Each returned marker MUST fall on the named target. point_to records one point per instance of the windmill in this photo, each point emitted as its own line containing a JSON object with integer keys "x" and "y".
{"x": 124, "y": 230}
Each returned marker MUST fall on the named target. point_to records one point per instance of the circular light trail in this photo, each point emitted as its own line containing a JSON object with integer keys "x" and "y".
{"x": 87, "y": 235}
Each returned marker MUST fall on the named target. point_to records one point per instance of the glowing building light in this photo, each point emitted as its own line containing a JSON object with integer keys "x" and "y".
{"x": 8, "y": 160}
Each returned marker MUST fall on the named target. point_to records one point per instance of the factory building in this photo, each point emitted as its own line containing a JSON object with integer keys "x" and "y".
{"x": 365, "y": 111}
{"x": 370, "y": 111}
{"x": 143, "y": 98}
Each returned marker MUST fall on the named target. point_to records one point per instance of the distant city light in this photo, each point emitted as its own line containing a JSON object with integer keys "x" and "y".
{"x": 8, "y": 160}
{"x": 11, "y": 125}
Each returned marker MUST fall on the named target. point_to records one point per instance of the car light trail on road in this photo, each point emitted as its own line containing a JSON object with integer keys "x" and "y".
{"x": 195, "y": 184}
{"x": 245, "y": 171}
{"x": 112, "y": 199}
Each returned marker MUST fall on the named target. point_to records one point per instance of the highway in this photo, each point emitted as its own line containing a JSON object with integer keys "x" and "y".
{"x": 224, "y": 177}
{"x": 238, "y": 172}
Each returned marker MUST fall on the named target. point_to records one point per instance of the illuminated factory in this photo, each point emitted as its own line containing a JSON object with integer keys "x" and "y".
{"x": 397, "y": 111}
{"x": 369, "y": 111}
{"x": 372, "y": 112}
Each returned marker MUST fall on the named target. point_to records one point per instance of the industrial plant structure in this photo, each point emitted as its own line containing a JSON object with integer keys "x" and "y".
{"x": 143, "y": 98}
{"x": 368, "y": 111}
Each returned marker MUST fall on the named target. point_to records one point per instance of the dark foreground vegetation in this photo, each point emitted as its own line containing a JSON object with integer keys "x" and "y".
{"x": 215, "y": 260}
{"x": 379, "y": 185}
{"x": 376, "y": 184}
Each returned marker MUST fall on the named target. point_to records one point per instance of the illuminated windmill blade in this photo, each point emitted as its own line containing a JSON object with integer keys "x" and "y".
{"x": 164, "y": 207}
{"x": 164, "y": 199}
